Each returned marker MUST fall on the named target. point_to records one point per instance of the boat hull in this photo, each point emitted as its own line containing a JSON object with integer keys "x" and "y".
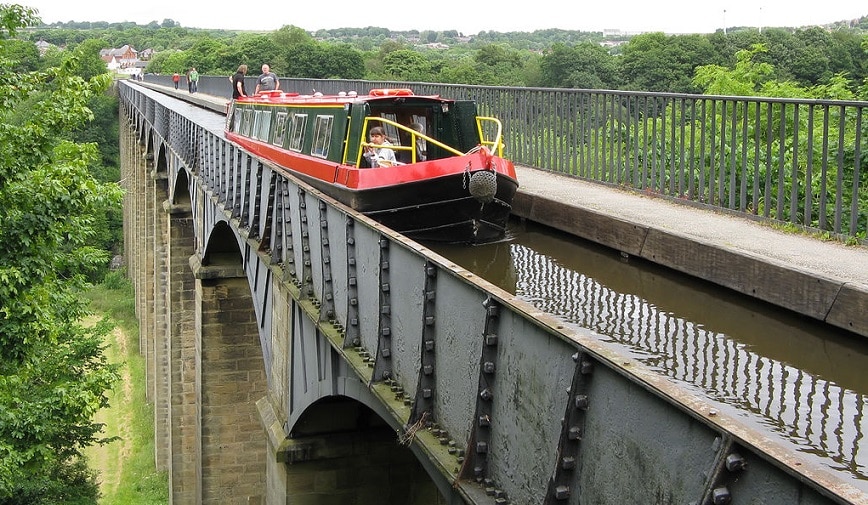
{"x": 433, "y": 210}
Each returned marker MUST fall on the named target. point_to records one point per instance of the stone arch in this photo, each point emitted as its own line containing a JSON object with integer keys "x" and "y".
{"x": 161, "y": 161}
{"x": 342, "y": 448}
{"x": 221, "y": 246}
{"x": 180, "y": 190}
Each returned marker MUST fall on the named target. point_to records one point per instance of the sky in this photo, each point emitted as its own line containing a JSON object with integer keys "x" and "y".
{"x": 467, "y": 17}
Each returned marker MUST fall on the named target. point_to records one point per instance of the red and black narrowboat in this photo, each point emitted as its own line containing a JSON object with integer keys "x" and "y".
{"x": 449, "y": 181}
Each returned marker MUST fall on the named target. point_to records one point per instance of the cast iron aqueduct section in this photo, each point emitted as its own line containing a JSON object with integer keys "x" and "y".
{"x": 272, "y": 316}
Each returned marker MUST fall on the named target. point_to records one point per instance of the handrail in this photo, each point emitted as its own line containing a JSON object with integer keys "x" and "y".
{"x": 414, "y": 135}
{"x": 495, "y": 145}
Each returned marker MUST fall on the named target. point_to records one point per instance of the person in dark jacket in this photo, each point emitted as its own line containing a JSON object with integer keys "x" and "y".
{"x": 237, "y": 80}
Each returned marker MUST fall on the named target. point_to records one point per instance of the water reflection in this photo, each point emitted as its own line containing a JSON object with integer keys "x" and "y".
{"x": 804, "y": 380}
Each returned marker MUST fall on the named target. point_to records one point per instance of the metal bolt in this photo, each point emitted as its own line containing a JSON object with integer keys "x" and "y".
{"x": 488, "y": 367}
{"x": 486, "y": 394}
{"x": 562, "y": 492}
{"x": 721, "y": 496}
{"x": 735, "y": 462}
{"x": 481, "y": 447}
{"x": 582, "y": 402}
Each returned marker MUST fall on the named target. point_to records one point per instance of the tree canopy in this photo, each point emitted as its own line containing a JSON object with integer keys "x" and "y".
{"x": 53, "y": 373}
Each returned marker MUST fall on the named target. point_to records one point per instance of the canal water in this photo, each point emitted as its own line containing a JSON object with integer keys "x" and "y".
{"x": 795, "y": 377}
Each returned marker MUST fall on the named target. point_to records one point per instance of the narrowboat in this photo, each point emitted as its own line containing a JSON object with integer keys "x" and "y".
{"x": 445, "y": 180}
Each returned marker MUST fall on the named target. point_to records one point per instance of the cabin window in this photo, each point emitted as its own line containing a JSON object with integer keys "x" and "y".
{"x": 279, "y": 129}
{"x": 262, "y": 125}
{"x": 296, "y": 131}
{"x": 246, "y": 121}
{"x": 236, "y": 120}
{"x": 322, "y": 134}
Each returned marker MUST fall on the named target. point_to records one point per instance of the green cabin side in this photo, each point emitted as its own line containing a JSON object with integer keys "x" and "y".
{"x": 337, "y": 132}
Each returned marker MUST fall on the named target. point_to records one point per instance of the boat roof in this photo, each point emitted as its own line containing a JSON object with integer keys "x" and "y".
{"x": 276, "y": 97}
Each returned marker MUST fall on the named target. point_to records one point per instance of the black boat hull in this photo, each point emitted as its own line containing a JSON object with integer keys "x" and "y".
{"x": 435, "y": 210}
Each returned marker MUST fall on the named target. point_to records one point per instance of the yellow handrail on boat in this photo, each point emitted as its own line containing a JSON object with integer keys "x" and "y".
{"x": 496, "y": 145}
{"x": 414, "y": 136}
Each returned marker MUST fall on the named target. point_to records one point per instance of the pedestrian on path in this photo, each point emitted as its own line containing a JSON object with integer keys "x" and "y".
{"x": 193, "y": 78}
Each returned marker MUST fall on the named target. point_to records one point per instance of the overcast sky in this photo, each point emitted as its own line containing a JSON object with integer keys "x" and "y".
{"x": 466, "y": 16}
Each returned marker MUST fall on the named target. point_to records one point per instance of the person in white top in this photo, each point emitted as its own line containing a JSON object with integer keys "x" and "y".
{"x": 380, "y": 156}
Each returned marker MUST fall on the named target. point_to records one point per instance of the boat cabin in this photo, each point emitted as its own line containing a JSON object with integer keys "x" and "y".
{"x": 335, "y": 127}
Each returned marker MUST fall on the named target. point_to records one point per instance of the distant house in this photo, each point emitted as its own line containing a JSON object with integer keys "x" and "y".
{"x": 111, "y": 62}
{"x": 42, "y": 46}
{"x": 123, "y": 60}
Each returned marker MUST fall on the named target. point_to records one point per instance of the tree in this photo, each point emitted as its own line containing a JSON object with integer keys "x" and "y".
{"x": 585, "y": 66}
{"x": 406, "y": 65}
{"x": 746, "y": 78}
{"x": 23, "y": 55}
{"x": 53, "y": 373}
{"x": 659, "y": 62}
{"x": 324, "y": 61}
{"x": 89, "y": 62}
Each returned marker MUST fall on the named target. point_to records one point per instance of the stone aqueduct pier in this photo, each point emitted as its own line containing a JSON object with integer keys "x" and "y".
{"x": 298, "y": 352}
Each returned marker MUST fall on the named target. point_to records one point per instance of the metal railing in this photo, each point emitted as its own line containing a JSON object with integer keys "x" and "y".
{"x": 794, "y": 161}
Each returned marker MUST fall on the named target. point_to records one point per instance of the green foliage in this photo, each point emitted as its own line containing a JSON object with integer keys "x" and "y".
{"x": 23, "y": 55}
{"x": 53, "y": 374}
{"x": 323, "y": 61}
{"x": 68, "y": 482}
{"x": 89, "y": 63}
{"x": 406, "y": 65}
{"x": 551, "y": 57}
{"x": 744, "y": 79}
{"x": 656, "y": 62}
{"x": 585, "y": 66}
